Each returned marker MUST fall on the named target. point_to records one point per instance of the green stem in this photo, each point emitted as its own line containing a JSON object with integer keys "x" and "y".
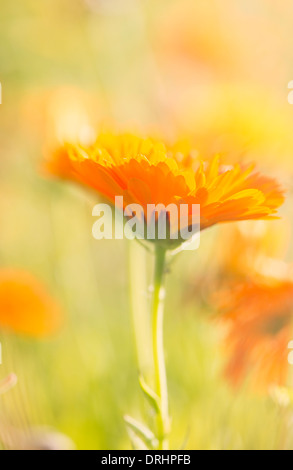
{"x": 139, "y": 307}
{"x": 158, "y": 348}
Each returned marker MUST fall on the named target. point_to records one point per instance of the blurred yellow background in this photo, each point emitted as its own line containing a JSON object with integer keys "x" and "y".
{"x": 215, "y": 73}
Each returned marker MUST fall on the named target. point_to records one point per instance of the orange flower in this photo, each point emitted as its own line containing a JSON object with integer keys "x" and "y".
{"x": 258, "y": 318}
{"x": 25, "y": 306}
{"x": 144, "y": 172}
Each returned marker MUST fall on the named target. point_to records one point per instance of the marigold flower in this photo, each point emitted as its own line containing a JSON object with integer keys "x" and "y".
{"x": 25, "y": 306}
{"x": 145, "y": 172}
{"x": 258, "y": 320}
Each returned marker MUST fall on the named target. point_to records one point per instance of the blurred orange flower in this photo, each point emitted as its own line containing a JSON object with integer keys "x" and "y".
{"x": 145, "y": 172}
{"x": 25, "y": 306}
{"x": 258, "y": 319}
{"x": 64, "y": 112}
{"x": 191, "y": 34}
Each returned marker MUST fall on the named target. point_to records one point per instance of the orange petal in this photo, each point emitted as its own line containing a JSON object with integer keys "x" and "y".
{"x": 25, "y": 306}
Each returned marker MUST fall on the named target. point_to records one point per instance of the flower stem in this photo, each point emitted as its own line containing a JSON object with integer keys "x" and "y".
{"x": 158, "y": 348}
{"x": 139, "y": 307}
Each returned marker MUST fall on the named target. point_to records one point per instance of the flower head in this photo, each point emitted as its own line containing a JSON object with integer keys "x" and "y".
{"x": 25, "y": 306}
{"x": 258, "y": 318}
{"x": 255, "y": 300}
{"x": 145, "y": 172}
